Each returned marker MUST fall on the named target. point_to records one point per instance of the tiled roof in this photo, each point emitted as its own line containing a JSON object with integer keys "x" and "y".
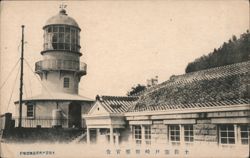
{"x": 208, "y": 83}
{"x": 226, "y": 85}
{"x": 116, "y": 104}
{"x": 190, "y": 106}
{"x": 213, "y": 73}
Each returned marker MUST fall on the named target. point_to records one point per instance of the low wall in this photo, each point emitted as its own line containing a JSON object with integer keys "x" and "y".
{"x": 31, "y": 135}
{"x": 6, "y": 121}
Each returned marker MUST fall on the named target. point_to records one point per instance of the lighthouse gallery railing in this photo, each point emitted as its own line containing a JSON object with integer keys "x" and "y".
{"x": 53, "y": 64}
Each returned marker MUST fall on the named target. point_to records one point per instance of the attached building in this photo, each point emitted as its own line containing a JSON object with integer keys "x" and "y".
{"x": 204, "y": 107}
{"x": 106, "y": 120}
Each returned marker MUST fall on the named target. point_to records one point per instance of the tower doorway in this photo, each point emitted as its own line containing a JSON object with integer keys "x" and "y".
{"x": 74, "y": 115}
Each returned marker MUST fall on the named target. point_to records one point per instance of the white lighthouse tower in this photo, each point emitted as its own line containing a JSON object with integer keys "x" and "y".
{"x": 60, "y": 72}
{"x": 61, "y": 69}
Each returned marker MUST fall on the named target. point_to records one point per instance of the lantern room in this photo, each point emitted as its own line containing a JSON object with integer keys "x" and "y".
{"x": 62, "y": 33}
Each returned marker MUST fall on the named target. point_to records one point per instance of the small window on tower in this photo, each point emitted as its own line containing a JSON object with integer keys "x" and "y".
{"x": 66, "y": 82}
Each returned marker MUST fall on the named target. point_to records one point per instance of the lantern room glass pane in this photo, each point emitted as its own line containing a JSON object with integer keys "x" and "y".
{"x": 55, "y": 28}
{"x": 61, "y": 29}
{"x": 55, "y": 37}
{"x": 62, "y": 38}
{"x": 61, "y": 46}
{"x": 67, "y": 47}
{"x": 73, "y": 47}
{"x": 67, "y": 37}
{"x": 49, "y": 29}
{"x": 67, "y": 29}
{"x": 73, "y": 36}
{"x": 77, "y": 37}
{"x": 54, "y": 45}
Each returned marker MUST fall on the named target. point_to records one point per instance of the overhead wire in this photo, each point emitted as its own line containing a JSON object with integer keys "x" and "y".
{"x": 13, "y": 89}
{"x": 9, "y": 74}
{"x": 38, "y": 79}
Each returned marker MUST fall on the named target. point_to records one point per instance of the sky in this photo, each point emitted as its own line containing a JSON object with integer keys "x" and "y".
{"x": 124, "y": 43}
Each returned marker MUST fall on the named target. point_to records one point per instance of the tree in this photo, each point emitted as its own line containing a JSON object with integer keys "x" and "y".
{"x": 234, "y": 38}
{"x": 136, "y": 90}
{"x": 233, "y": 51}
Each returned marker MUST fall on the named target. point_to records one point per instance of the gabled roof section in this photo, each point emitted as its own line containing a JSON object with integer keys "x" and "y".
{"x": 98, "y": 109}
{"x": 116, "y": 104}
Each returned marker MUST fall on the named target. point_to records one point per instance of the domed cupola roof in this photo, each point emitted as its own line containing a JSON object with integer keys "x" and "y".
{"x": 61, "y": 19}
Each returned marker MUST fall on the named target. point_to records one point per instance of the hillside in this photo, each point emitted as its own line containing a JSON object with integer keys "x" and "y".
{"x": 233, "y": 51}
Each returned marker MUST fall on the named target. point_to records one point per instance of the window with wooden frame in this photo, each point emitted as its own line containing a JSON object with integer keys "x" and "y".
{"x": 174, "y": 134}
{"x": 66, "y": 82}
{"x": 244, "y": 133}
{"x": 188, "y": 133}
{"x": 227, "y": 135}
{"x": 30, "y": 110}
{"x": 137, "y": 134}
{"x": 147, "y": 134}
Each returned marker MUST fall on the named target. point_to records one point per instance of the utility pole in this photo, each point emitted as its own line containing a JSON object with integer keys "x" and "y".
{"x": 21, "y": 83}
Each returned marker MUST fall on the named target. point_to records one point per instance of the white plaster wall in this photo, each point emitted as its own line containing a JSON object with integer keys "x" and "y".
{"x": 44, "y": 109}
{"x": 98, "y": 109}
{"x": 24, "y": 111}
{"x": 98, "y": 121}
{"x": 54, "y": 83}
{"x": 42, "y": 114}
{"x": 118, "y": 121}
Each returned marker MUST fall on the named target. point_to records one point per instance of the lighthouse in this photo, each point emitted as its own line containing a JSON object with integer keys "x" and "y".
{"x": 61, "y": 69}
{"x": 60, "y": 72}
